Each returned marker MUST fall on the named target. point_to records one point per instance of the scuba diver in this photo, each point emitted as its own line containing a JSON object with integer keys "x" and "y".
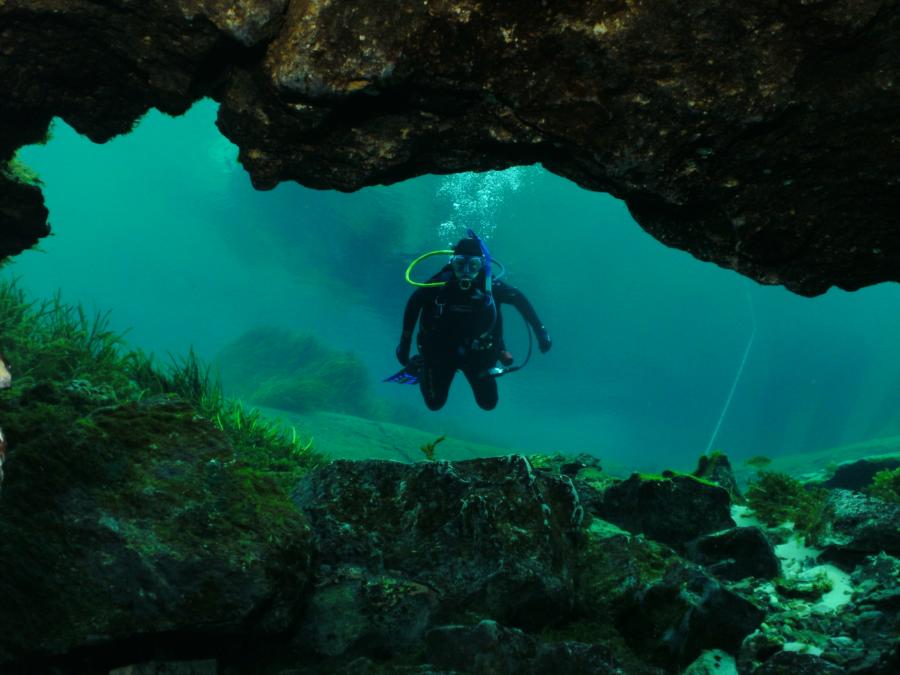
{"x": 461, "y": 327}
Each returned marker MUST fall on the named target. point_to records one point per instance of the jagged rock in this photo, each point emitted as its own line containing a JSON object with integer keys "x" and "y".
{"x": 350, "y": 607}
{"x": 132, "y": 524}
{"x": 686, "y": 612}
{"x": 488, "y": 648}
{"x": 715, "y": 467}
{"x": 795, "y": 663}
{"x": 858, "y": 474}
{"x": 747, "y": 134}
{"x": 205, "y": 667}
{"x": 708, "y": 663}
{"x": 673, "y": 510}
{"x": 876, "y": 582}
{"x": 491, "y": 536}
{"x": 736, "y": 553}
{"x": 859, "y": 526}
{"x": 860, "y": 637}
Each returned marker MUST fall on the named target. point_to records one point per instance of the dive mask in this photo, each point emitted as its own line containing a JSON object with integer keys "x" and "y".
{"x": 466, "y": 267}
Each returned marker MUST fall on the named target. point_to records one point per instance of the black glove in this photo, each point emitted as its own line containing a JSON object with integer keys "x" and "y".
{"x": 544, "y": 341}
{"x": 402, "y": 352}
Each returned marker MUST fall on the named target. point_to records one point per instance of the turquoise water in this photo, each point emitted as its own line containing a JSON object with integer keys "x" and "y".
{"x": 163, "y": 228}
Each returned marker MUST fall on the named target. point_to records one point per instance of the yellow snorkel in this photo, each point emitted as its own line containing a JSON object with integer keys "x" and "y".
{"x": 430, "y": 254}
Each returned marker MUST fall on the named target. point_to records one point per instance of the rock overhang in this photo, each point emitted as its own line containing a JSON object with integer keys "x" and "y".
{"x": 764, "y": 138}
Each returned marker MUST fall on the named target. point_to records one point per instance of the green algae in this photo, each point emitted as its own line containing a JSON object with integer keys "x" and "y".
{"x": 886, "y": 485}
{"x": 776, "y": 497}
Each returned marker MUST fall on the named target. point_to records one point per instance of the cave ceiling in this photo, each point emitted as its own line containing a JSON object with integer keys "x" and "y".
{"x": 762, "y": 136}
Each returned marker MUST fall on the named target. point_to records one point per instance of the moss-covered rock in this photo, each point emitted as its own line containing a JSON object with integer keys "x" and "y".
{"x": 673, "y": 509}
{"x": 716, "y": 468}
{"x": 130, "y": 521}
{"x": 736, "y": 553}
{"x": 493, "y": 537}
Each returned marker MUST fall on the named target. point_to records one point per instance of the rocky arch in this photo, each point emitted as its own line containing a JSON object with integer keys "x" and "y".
{"x": 764, "y": 137}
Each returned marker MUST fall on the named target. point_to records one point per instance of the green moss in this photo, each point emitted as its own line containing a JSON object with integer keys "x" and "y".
{"x": 886, "y": 485}
{"x": 669, "y": 475}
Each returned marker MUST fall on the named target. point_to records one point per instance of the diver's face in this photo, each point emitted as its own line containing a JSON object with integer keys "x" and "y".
{"x": 466, "y": 268}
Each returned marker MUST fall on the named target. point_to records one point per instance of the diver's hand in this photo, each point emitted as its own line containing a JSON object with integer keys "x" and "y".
{"x": 544, "y": 341}
{"x": 402, "y": 352}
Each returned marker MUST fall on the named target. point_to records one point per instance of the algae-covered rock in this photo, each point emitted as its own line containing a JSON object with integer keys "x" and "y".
{"x": 716, "y": 468}
{"x": 349, "y": 606}
{"x": 686, "y": 612}
{"x": 493, "y": 537}
{"x": 133, "y": 522}
{"x": 797, "y": 663}
{"x": 488, "y": 648}
{"x": 858, "y": 474}
{"x": 735, "y": 554}
{"x": 672, "y": 509}
{"x": 859, "y": 526}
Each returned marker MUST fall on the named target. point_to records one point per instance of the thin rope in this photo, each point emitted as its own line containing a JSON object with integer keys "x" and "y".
{"x": 740, "y": 369}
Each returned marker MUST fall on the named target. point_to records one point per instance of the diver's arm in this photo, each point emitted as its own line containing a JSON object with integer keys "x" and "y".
{"x": 504, "y": 293}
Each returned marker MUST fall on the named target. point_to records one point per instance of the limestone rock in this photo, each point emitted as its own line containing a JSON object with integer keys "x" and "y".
{"x": 491, "y": 536}
{"x": 133, "y": 525}
{"x": 858, "y": 474}
{"x": 735, "y": 554}
{"x": 350, "y": 607}
{"x": 747, "y": 134}
{"x": 715, "y": 467}
{"x": 686, "y": 612}
{"x": 859, "y": 526}
{"x": 673, "y": 510}
{"x": 488, "y": 648}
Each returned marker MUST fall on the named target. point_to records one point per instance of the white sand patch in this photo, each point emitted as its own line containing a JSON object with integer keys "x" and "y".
{"x": 841, "y": 588}
{"x": 798, "y": 561}
{"x": 743, "y": 516}
{"x": 713, "y": 662}
{"x": 801, "y": 647}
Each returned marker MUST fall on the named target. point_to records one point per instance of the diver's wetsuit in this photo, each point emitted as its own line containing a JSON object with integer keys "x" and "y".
{"x": 460, "y": 330}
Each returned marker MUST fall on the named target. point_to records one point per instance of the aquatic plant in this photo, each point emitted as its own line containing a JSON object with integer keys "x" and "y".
{"x": 776, "y": 497}
{"x": 886, "y": 485}
{"x": 69, "y": 363}
{"x": 429, "y": 448}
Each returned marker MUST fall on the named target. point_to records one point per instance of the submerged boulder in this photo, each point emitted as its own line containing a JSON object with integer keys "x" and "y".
{"x": 684, "y": 613}
{"x": 858, "y": 474}
{"x": 735, "y": 554}
{"x": 859, "y": 526}
{"x": 673, "y": 509}
{"x": 132, "y": 523}
{"x": 488, "y": 648}
{"x": 716, "y": 468}
{"x": 492, "y": 537}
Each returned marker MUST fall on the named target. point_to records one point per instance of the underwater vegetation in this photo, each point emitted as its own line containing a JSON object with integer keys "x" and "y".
{"x": 886, "y": 485}
{"x": 776, "y": 497}
{"x": 66, "y": 364}
{"x": 294, "y": 371}
{"x": 428, "y": 449}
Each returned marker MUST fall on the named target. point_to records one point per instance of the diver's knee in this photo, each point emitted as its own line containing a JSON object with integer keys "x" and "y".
{"x": 488, "y": 404}
{"x": 435, "y": 404}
